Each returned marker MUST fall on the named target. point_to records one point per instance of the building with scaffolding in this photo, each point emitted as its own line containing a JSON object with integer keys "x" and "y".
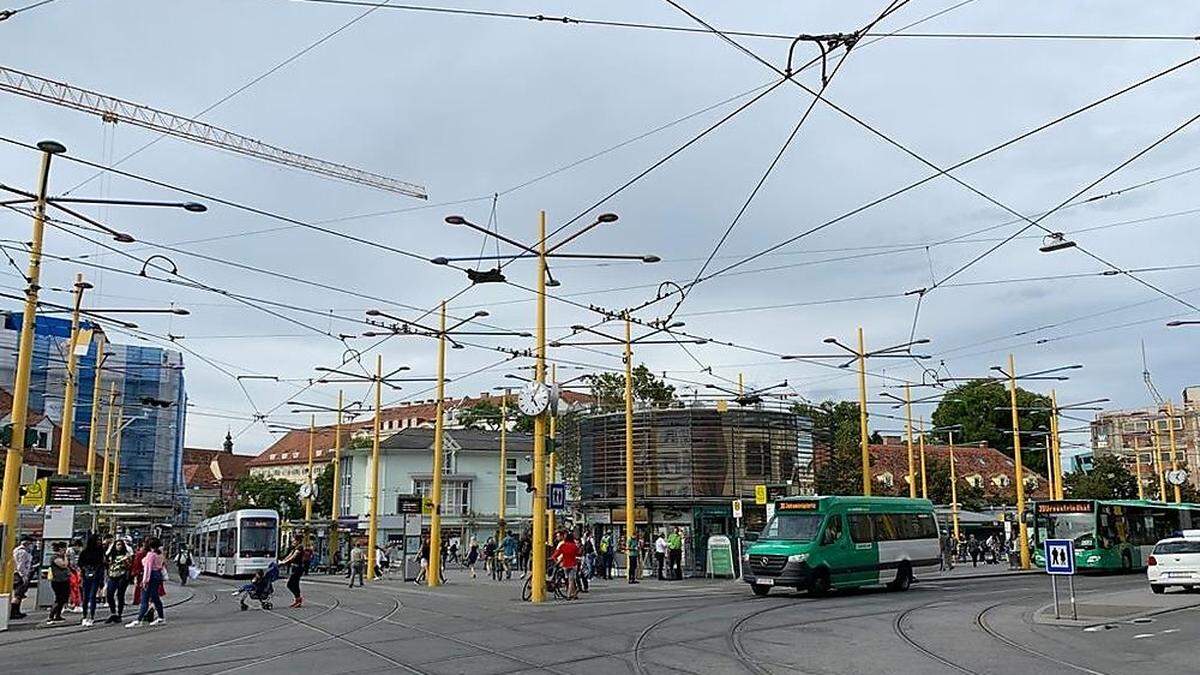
{"x": 1146, "y": 434}
{"x": 150, "y": 390}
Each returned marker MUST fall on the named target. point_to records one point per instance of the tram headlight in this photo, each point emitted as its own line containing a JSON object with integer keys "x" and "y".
{"x": 798, "y": 557}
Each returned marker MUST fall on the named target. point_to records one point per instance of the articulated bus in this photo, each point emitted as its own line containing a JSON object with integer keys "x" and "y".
{"x": 1114, "y": 535}
{"x": 820, "y": 543}
{"x": 237, "y": 543}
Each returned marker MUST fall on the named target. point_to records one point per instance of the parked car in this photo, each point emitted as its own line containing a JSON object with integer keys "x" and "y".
{"x": 1175, "y": 562}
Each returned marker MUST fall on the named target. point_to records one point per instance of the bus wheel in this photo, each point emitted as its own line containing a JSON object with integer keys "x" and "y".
{"x": 760, "y": 590}
{"x": 903, "y": 579}
{"x": 1126, "y": 562}
{"x": 820, "y": 583}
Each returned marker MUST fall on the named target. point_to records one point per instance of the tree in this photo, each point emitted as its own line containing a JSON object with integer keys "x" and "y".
{"x": 982, "y": 408}
{"x": 609, "y": 389}
{"x": 841, "y": 474}
{"x": 216, "y": 507}
{"x": 268, "y": 493}
{"x": 485, "y": 415}
{"x": 836, "y": 426}
{"x": 323, "y": 506}
{"x": 937, "y": 479}
{"x": 1108, "y": 479}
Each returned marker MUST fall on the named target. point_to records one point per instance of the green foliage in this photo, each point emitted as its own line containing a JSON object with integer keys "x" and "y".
{"x": 216, "y": 507}
{"x": 566, "y": 451}
{"x": 840, "y": 475}
{"x": 268, "y": 493}
{"x": 364, "y": 441}
{"x": 834, "y": 423}
{"x": 982, "y": 408}
{"x": 1108, "y": 479}
{"x": 323, "y": 506}
{"x": 485, "y": 416}
{"x": 609, "y": 389}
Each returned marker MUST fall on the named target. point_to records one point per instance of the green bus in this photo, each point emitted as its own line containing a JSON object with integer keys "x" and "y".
{"x": 1114, "y": 535}
{"x": 820, "y": 543}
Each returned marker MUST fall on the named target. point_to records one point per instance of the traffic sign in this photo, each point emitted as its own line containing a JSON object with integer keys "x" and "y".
{"x": 558, "y": 496}
{"x": 760, "y": 494}
{"x": 737, "y": 509}
{"x": 1060, "y": 556}
{"x": 34, "y": 494}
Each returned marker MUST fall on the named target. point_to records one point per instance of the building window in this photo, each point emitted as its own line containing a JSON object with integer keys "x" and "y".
{"x": 346, "y": 478}
{"x": 456, "y": 495}
{"x": 510, "y": 483}
{"x": 758, "y": 457}
{"x": 448, "y": 459}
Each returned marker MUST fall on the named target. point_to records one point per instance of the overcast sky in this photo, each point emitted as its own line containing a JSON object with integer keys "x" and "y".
{"x": 470, "y": 107}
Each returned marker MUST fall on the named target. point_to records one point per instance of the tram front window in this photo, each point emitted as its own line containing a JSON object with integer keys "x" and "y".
{"x": 258, "y": 538}
{"x": 1078, "y": 527}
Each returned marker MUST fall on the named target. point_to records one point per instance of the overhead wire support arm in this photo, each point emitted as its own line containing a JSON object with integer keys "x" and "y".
{"x": 112, "y": 109}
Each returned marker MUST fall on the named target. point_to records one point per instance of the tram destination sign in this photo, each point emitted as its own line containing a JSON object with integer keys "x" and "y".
{"x": 1070, "y": 506}
{"x": 68, "y": 491}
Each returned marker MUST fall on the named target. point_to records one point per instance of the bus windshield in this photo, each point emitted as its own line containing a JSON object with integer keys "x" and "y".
{"x": 1079, "y": 527}
{"x": 792, "y": 526}
{"x": 258, "y": 538}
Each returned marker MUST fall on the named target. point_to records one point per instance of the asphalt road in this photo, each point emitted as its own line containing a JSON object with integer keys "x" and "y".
{"x": 974, "y": 626}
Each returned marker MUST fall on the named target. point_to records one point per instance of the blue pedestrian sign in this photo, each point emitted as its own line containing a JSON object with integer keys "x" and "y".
{"x": 1060, "y": 556}
{"x": 558, "y": 496}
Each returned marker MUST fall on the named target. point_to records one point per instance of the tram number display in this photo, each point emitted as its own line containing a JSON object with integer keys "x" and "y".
{"x": 796, "y": 506}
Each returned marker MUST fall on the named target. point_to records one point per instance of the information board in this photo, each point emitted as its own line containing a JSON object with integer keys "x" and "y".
{"x": 720, "y": 556}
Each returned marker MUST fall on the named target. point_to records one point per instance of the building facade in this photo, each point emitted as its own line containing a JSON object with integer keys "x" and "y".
{"x": 690, "y": 463}
{"x": 150, "y": 390}
{"x": 976, "y": 465}
{"x": 470, "y": 478}
{"x": 1145, "y": 432}
{"x": 211, "y": 476}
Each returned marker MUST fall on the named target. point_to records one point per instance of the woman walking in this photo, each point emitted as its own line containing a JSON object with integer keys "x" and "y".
{"x": 60, "y": 581}
{"x": 424, "y": 560}
{"x": 472, "y": 556}
{"x": 295, "y": 558}
{"x": 119, "y": 560}
{"x": 154, "y": 565}
{"x": 91, "y": 571}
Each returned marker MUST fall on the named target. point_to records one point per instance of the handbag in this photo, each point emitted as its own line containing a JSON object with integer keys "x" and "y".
{"x": 193, "y": 573}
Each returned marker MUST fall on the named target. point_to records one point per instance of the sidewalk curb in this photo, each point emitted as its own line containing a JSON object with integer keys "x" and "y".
{"x": 986, "y": 575}
{"x": 1091, "y": 622}
{"x": 60, "y": 630}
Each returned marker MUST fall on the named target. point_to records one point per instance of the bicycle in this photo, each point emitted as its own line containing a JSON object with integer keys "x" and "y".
{"x": 556, "y": 583}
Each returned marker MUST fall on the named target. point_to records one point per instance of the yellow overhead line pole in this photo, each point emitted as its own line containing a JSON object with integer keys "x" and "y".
{"x": 70, "y": 381}
{"x": 1171, "y": 440}
{"x": 20, "y": 409}
{"x": 335, "y": 510}
{"x": 500, "y": 506}
{"x": 433, "y": 577}
{"x": 864, "y": 441}
{"x": 308, "y": 503}
{"x": 953, "y": 487}
{"x": 629, "y": 503}
{"x": 1056, "y": 481}
{"x": 553, "y": 451}
{"x": 908, "y": 428}
{"x": 93, "y": 427}
{"x": 1137, "y": 466}
{"x": 373, "y": 518}
{"x": 1158, "y": 464}
{"x": 1019, "y": 464}
{"x": 538, "y": 506}
{"x": 116, "y": 469}
{"x": 108, "y": 428}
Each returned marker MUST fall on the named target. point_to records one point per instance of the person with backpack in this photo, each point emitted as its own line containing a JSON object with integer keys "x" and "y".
{"x": 183, "y": 562}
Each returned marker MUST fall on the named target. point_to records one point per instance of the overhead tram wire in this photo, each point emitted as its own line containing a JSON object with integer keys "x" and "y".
{"x": 253, "y": 81}
{"x": 573, "y": 21}
{"x": 939, "y": 171}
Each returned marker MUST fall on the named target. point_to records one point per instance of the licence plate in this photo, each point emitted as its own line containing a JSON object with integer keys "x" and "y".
{"x": 764, "y": 582}
{"x": 1178, "y": 575}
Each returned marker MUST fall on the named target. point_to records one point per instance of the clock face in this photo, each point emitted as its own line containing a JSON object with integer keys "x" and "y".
{"x": 533, "y": 399}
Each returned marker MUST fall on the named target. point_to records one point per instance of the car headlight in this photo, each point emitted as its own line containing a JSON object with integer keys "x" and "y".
{"x": 745, "y": 557}
{"x": 797, "y": 557}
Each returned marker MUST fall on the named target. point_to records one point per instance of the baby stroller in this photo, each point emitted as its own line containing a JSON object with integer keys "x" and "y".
{"x": 260, "y": 587}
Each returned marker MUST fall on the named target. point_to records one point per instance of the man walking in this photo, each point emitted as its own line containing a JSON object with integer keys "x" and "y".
{"x": 183, "y": 562}
{"x": 22, "y": 571}
{"x": 660, "y": 554}
{"x": 675, "y": 554}
{"x": 357, "y": 565}
{"x": 632, "y": 553}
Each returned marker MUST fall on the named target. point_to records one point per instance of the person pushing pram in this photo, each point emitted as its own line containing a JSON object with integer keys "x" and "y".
{"x": 260, "y": 587}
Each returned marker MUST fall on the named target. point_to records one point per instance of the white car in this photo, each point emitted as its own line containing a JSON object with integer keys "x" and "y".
{"x": 1175, "y": 562}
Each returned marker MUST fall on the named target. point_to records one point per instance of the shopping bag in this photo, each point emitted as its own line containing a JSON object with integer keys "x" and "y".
{"x": 193, "y": 573}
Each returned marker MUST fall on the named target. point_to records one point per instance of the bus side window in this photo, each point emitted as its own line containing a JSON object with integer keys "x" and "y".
{"x": 833, "y": 531}
{"x": 860, "y": 528}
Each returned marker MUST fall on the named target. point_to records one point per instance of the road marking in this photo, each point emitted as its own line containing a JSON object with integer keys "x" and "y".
{"x": 1140, "y": 636}
{"x": 1170, "y": 630}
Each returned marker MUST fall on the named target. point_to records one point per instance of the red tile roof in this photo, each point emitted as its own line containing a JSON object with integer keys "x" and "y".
{"x": 969, "y": 460}
{"x": 42, "y": 457}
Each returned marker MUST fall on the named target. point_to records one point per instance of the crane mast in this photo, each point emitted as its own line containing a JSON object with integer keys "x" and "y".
{"x": 112, "y": 109}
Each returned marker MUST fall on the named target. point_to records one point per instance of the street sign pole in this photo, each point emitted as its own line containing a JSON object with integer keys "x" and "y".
{"x": 1054, "y": 590}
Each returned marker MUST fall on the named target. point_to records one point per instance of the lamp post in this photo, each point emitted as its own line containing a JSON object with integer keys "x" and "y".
{"x": 860, "y": 356}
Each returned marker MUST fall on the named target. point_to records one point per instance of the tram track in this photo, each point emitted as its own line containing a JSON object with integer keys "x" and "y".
{"x": 908, "y": 639}
{"x": 982, "y": 624}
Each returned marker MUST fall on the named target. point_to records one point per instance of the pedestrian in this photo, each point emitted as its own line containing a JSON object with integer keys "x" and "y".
{"x": 381, "y": 563}
{"x": 472, "y": 556}
{"x": 75, "y": 600}
{"x": 295, "y": 558}
{"x": 587, "y": 563}
{"x": 60, "y": 581}
{"x": 660, "y": 554}
{"x": 631, "y": 551}
{"x": 454, "y": 549}
{"x": 424, "y": 559}
{"x": 675, "y": 554}
{"x": 489, "y": 558}
{"x": 567, "y": 556}
{"x": 118, "y": 559}
{"x": 606, "y": 556}
{"x": 183, "y": 563}
{"x": 154, "y": 567}
{"x": 524, "y": 548}
{"x": 973, "y": 549}
{"x": 22, "y": 575}
{"x": 357, "y": 565}
{"x": 442, "y": 553}
{"x": 91, "y": 572}
{"x": 509, "y": 547}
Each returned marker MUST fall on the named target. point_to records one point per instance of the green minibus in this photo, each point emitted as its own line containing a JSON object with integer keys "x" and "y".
{"x": 821, "y": 543}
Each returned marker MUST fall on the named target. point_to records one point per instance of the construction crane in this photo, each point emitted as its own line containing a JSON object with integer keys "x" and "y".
{"x": 1158, "y": 399}
{"x": 111, "y": 109}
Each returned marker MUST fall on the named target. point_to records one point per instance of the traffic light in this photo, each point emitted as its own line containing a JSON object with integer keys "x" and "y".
{"x": 527, "y": 479}
{"x": 6, "y": 436}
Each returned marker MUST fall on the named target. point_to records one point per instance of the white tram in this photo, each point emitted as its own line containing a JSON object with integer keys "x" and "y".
{"x": 237, "y": 543}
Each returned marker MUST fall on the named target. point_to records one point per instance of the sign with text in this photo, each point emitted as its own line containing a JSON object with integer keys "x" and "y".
{"x": 1060, "y": 556}
{"x": 68, "y": 491}
{"x": 760, "y": 494}
{"x": 737, "y": 509}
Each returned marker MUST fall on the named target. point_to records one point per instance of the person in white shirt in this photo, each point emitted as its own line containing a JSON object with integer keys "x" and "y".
{"x": 660, "y": 554}
{"x": 22, "y": 569}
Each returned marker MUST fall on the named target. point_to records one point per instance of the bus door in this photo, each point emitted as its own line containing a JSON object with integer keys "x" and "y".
{"x": 861, "y": 561}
